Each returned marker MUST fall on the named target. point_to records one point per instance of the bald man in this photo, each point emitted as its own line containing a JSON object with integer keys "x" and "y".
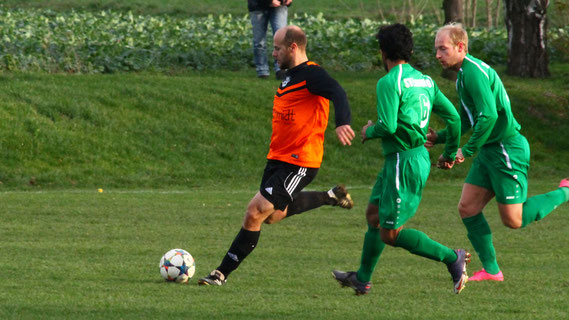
{"x": 300, "y": 117}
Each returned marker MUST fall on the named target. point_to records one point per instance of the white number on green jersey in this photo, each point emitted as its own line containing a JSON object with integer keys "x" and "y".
{"x": 425, "y": 105}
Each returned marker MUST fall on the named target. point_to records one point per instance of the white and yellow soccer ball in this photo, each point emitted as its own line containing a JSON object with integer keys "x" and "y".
{"x": 177, "y": 265}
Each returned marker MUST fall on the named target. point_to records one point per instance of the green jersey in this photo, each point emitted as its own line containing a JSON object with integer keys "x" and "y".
{"x": 405, "y": 100}
{"x": 485, "y": 106}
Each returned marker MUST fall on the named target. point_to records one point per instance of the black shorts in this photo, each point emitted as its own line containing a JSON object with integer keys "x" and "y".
{"x": 283, "y": 181}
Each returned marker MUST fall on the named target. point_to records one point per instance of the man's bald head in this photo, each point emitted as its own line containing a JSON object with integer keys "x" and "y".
{"x": 289, "y": 47}
{"x": 292, "y": 34}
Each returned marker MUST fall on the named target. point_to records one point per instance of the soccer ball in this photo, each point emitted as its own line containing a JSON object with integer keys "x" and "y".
{"x": 177, "y": 265}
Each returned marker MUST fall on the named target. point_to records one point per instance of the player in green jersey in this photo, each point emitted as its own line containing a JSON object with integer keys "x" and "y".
{"x": 500, "y": 168}
{"x": 405, "y": 100}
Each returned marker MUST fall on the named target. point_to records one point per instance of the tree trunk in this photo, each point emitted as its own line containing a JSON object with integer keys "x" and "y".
{"x": 526, "y": 21}
{"x": 474, "y": 5}
{"x": 498, "y": 8}
{"x": 466, "y": 13}
{"x": 454, "y": 11}
{"x": 488, "y": 14}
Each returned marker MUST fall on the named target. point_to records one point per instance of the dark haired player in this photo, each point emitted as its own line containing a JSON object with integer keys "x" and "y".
{"x": 501, "y": 166}
{"x": 405, "y": 100}
{"x": 300, "y": 117}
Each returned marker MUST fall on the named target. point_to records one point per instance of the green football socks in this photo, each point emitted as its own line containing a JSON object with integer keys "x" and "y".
{"x": 420, "y": 244}
{"x": 480, "y": 236}
{"x": 373, "y": 246}
{"x": 537, "y": 207}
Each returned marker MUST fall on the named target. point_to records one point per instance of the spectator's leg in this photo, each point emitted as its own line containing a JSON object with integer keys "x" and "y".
{"x": 259, "y": 23}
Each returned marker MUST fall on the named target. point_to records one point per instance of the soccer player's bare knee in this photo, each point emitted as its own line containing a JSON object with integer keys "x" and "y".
{"x": 467, "y": 210}
{"x": 511, "y": 223}
{"x": 511, "y": 215}
{"x": 389, "y": 236}
{"x": 372, "y": 216}
{"x": 473, "y": 200}
{"x": 253, "y": 219}
{"x": 271, "y": 220}
{"x": 258, "y": 210}
{"x": 275, "y": 217}
{"x": 510, "y": 220}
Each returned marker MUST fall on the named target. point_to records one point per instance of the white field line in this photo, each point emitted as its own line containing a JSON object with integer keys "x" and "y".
{"x": 151, "y": 191}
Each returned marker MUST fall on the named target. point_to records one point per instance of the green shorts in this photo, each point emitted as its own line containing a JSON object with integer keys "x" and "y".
{"x": 502, "y": 167}
{"x": 399, "y": 186}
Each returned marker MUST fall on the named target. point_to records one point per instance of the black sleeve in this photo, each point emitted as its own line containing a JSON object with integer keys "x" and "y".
{"x": 319, "y": 82}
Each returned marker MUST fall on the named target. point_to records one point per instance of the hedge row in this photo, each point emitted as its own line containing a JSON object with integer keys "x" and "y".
{"x": 107, "y": 41}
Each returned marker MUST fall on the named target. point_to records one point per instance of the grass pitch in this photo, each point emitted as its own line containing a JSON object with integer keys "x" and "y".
{"x": 82, "y": 254}
{"x": 91, "y": 255}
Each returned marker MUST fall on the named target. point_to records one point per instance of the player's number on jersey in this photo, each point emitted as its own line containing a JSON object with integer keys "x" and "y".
{"x": 425, "y": 107}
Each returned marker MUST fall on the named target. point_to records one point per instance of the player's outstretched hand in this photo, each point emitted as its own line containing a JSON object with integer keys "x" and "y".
{"x": 363, "y": 133}
{"x": 444, "y": 163}
{"x": 459, "y": 156}
{"x": 345, "y": 134}
{"x": 431, "y": 138}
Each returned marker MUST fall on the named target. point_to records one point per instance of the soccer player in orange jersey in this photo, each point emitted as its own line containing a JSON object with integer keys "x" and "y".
{"x": 300, "y": 117}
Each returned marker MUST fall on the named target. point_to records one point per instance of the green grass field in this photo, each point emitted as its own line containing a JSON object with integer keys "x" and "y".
{"x": 71, "y": 252}
{"x": 179, "y": 156}
{"x": 88, "y": 255}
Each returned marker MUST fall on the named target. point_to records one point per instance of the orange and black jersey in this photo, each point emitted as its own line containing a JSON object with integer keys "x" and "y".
{"x": 300, "y": 114}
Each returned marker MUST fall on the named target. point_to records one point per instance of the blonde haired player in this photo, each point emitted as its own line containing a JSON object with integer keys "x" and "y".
{"x": 501, "y": 165}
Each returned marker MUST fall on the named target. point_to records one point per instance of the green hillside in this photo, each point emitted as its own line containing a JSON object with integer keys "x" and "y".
{"x": 204, "y": 129}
